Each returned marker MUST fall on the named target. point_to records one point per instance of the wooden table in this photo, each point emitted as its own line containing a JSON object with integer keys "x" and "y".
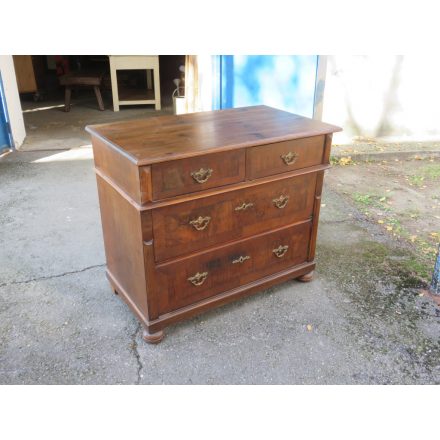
{"x": 150, "y": 63}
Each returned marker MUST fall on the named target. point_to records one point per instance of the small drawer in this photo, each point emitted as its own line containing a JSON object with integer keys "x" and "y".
{"x": 197, "y": 173}
{"x": 196, "y": 224}
{"x": 205, "y": 274}
{"x": 281, "y": 157}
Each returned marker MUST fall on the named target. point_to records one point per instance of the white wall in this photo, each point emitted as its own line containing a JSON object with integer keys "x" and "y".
{"x": 205, "y": 66}
{"x": 385, "y": 98}
{"x": 12, "y": 99}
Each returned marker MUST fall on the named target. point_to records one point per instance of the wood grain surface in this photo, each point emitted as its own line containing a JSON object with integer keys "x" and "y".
{"x": 233, "y": 215}
{"x": 267, "y": 160}
{"x": 175, "y": 177}
{"x": 164, "y": 138}
{"x": 223, "y": 274}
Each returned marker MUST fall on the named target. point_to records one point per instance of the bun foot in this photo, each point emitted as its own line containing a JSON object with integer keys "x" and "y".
{"x": 306, "y": 278}
{"x": 152, "y": 338}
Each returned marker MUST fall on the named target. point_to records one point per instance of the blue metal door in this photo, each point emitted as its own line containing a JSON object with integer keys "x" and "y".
{"x": 5, "y": 137}
{"x": 284, "y": 82}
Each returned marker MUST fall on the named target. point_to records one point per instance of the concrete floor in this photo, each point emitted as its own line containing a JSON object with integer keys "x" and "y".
{"x": 49, "y": 127}
{"x": 362, "y": 320}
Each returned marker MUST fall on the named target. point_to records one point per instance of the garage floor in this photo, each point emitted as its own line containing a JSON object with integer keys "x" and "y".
{"x": 360, "y": 321}
{"x": 49, "y": 127}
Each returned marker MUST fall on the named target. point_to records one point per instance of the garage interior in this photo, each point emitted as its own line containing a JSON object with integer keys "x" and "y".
{"x": 42, "y": 95}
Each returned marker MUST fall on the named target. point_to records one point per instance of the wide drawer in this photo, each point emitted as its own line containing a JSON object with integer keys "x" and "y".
{"x": 187, "y": 227}
{"x": 205, "y": 274}
{"x": 197, "y": 173}
{"x": 281, "y": 157}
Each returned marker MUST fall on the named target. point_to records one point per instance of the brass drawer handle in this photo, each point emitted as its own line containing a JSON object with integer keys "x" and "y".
{"x": 289, "y": 158}
{"x": 241, "y": 259}
{"x": 199, "y": 278}
{"x": 202, "y": 175}
{"x": 281, "y": 201}
{"x": 244, "y": 206}
{"x": 200, "y": 223}
{"x": 280, "y": 250}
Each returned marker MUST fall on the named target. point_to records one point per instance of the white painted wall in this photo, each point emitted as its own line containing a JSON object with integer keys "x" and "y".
{"x": 205, "y": 67}
{"x": 385, "y": 98}
{"x": 12, "y": 99}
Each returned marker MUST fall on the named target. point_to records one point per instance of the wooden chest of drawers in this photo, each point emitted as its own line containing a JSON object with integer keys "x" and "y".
{"x": 200, "y": 209}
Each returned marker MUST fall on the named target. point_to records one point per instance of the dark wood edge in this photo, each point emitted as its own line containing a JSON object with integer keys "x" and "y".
{"x": 315, "y": 217}
{"x": 150, "y": 275}
{"x": 125, "y": 296}
{"x": 229, "y": 296}
{"x": 327, "y": 148}
{"x": 118, "y": 189}
{"x": 128, "y": 156}
{"x": 175, "y": 259}
{"x": 212, "y": 191}
{"x": 145, "y": 184}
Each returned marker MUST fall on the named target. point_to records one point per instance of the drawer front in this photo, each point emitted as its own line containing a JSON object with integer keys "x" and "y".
{"x": 281, "y": 157}
{"x": 190, "y": 226}
{"x": 197, "y": 277}
{"x": 197, "y": 173}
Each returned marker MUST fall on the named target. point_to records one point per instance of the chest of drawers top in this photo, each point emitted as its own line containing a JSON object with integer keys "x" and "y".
{"x": 164, "y": 138}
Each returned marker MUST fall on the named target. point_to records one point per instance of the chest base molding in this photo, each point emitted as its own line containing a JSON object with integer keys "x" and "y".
{"x": 163, "y": 321}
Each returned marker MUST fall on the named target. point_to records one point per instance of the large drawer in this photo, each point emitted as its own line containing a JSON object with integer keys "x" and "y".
{"x": 205, "y": 274}
{"x": 197, "y": 173}
{"x": 187, "y": 227}
{"x": 281, "y": 157}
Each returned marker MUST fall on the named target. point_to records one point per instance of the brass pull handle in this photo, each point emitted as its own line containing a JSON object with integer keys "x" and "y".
{"x": 241, "y": 259}
{"x": 280, "y": 251}
{"x": 200, "y": 223}
{"x": 244, "y": 206}
{"x": 289, "y": 158}
{"x": 281, "y": 201}
{"x": 202, "y": 175}
{"x": 198, "y": 279}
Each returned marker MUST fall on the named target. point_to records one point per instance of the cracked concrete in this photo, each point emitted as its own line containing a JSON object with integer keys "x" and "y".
{"x": 52, "y": 276}
{"x": 60, "y": 323}
{"x": 134, "y": 347}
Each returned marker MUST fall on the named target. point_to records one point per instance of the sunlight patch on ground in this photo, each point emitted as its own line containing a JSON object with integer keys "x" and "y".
{"x": 42, "y": 108}
{"x": 82, "y": 153}
{"x": 5, "y": 152}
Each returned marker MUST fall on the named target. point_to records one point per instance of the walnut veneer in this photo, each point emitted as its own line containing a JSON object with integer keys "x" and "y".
{"x": 201, "y": 209}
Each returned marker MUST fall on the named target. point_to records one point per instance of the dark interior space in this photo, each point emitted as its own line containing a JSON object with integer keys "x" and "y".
{"x": 38, "y": 77}
{"x": 48, "y": 124}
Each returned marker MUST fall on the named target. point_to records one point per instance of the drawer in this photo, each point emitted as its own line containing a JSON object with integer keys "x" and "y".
{"x": 281, "y": 157}
{"x": 187, "y": 227}
{"x": 197, "y": 173}
{"x": 197, "y": 277}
